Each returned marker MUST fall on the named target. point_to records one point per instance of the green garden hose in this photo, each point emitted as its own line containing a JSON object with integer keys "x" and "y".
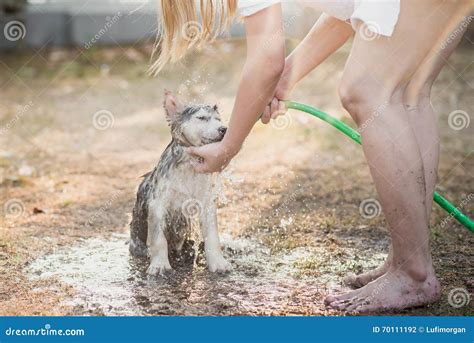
{"x": 350, "y": 132}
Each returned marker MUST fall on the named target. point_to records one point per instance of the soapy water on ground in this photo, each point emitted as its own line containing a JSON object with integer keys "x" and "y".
{"x": 108, "y": 281}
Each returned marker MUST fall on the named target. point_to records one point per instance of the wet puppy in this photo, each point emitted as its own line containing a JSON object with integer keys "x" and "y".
{"x": 173, "y": 199}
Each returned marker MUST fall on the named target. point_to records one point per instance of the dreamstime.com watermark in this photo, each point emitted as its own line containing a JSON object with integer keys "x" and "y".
{"x": 192, "y": 209}
{"x": 463, "y": 203}
{"x": 282, "y": 121}
{"x": 458, "y": 31}
{"x": 104, "y": 208}
{"x": 192, "y": 31}
{"x": 14, "y": 31}
{"x": 459, "y": 297}
{"x": 370, "y": 208}
{"x": 45, "y": 331}
{"x": 103, "y": 120}
{"x": 14, "y": 121}
{"x": 369, "y": 31}
{"x": 459, "y": 120}
{"x": 275, "y": 36}
{"x": 374, "y": 115}
{"x": 111, "y": 21}
{"x": 14, "y": 208}
{"x": 378, "y": 289}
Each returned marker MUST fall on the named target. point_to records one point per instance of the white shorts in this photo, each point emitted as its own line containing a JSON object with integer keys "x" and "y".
{"x": 380, "y": 16}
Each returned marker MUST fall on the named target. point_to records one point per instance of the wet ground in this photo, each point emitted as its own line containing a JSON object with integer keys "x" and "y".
{"x": 292, "y": 225}
{"x": 114, "y": 283}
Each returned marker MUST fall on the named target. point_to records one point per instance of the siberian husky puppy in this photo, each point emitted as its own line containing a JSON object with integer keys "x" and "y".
{"x": 172, "y": 197}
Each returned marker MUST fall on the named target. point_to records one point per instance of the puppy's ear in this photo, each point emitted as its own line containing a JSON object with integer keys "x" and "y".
{"x": 172, "y": 106}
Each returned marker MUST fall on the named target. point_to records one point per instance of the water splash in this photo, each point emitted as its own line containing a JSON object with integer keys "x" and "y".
{"x": 108, "y": 281}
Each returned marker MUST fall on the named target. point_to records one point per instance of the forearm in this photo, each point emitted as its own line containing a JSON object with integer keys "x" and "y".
{"x": 263, "y": 68}
{"x": 326, "y": 36}
{"x": 256, "y": 89}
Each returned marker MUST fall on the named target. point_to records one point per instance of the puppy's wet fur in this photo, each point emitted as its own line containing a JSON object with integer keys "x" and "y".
{"x": 172, "y": 198}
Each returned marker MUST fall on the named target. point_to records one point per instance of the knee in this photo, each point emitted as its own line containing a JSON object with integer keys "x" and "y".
{"x": 416, "y": 97}
{"x": 366, "y": 99}
{"x": 360, "y": 98}
{"x": 352, "y": 99}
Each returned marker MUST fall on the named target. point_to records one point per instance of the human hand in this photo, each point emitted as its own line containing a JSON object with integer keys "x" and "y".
{"x": 277, "y": 106}
{"x": 210, "y": 158}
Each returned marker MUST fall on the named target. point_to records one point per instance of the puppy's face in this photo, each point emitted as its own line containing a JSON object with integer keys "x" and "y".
{"x": 193, "y": 125}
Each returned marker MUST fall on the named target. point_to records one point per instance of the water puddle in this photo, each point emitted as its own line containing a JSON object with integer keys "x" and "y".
{"x": 108, "y": 281}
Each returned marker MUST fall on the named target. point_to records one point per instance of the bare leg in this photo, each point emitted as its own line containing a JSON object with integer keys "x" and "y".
{"x": 423, "y": 122}
{"x": 422, "y": 116}
{"x": 157, "y": 243}
{"x": 215, "y": 260}
{"x": 377, "y": 73}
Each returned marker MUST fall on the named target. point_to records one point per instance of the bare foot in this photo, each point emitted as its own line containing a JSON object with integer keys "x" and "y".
{"x": 360, "y": 280}
{"x": 395, "y": 290}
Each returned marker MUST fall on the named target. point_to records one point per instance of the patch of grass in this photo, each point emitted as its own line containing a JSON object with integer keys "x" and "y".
{"x": 66, "y": 203}
{"x": 309, "y": 267}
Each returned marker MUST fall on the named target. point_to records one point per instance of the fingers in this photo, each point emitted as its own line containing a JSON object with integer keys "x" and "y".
{"x": 198, "y": 162}
{"x": 195, "y": 153}
{"x": 281, "y": 110}
{"x": 200, "y": 167}
{"x": 191, "y": 151}
{"x": 274, "y": 109}
{"x": 274, "y": 106}
{"x": 266, "y": 115}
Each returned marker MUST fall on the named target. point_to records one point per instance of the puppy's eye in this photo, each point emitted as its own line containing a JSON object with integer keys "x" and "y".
{"x": 203, "y": 118}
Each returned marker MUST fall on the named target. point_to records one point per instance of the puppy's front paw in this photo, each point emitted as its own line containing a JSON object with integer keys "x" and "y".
{"x": 218, "y": 264}
{"x": 158, "y": 266}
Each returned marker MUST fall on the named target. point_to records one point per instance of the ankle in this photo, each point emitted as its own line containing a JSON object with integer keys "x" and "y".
{"x": 418, "y": 271}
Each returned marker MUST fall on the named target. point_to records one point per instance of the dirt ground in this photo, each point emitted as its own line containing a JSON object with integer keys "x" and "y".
{"x": 78, "y": 129}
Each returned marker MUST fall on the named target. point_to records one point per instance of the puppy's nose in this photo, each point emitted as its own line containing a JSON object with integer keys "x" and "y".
{"x": 222, "y": 130}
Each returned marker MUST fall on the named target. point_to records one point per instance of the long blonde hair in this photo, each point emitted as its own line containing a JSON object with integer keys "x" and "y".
{"x": 180, "y": 29}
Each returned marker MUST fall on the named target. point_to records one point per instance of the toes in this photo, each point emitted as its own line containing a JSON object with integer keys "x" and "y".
{"x": 160, "y": 269}
{"x": 345, "y": 296}
{"x": 341, "y": 304}
{"x": 364, "y": 308}
{"x": 220, "y": 269}
{"x": 359, "y": 281}
{"x": 220, "y": 266}
{"x": 344, "y": 305}
{"x": 353, "y": 307}
{"x": 329, "y": 299}
{"x": 349, "y": 305}
{"x": 352, "y": 280}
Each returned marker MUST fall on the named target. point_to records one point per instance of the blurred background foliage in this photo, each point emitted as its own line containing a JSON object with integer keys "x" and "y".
{"x": 12, "y": 6}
